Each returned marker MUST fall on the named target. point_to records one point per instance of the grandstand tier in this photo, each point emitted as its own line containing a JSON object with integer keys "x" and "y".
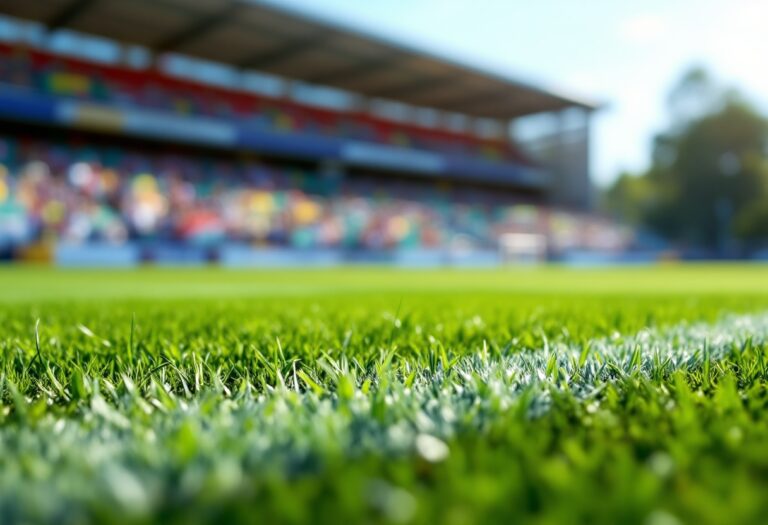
{"x": 80, "y": 189}
{"x": 53, "y": 90}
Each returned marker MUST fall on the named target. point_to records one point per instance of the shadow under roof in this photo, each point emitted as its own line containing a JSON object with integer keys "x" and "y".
{"x": 260, "y": 35}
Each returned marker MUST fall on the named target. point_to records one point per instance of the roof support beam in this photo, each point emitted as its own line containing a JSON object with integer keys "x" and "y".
{"x": 271, "y": 58}
{"x": 414, "y": 86}
{"x": 68, "y": 14}
{"x": 511, "y": 107}
{"x": 482, "y": 97}
{"x": 355, "y": 71}
{"x": 200, "y": 26}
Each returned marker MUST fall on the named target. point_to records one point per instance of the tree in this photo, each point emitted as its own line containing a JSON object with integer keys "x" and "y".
{"x": 629, "y": 198}
{"x": 706, "y": 177}
{"x": 694, "y": 96}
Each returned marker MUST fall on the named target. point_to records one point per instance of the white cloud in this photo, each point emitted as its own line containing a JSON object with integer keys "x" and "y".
{"x": 642, "y": 28}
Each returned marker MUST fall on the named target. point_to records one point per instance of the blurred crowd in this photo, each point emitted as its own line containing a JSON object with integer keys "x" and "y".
{"x": 81, "y": 192}
{"x": 86, "y": 193}
{"x": 150, "y": 89}
{"x": 102, "y": 191}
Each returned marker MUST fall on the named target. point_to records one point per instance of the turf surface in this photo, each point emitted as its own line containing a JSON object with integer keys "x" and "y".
{"x": 354, "y": 395}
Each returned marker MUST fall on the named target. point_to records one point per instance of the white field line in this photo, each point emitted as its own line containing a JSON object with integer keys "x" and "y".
{"x": 570, "y": 366}
{"x": 477, "y": 389}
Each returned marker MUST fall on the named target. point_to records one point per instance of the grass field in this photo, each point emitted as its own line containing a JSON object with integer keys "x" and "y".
{"x": 544, "y": 395}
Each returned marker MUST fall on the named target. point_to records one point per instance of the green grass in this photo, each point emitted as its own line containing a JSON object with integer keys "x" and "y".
{"x": 545, "y": 395}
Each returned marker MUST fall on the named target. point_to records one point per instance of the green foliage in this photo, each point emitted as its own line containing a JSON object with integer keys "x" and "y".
{"x": 631, "y": 197}
{"x": 542, "y": 395}
{"x": 752, "y": 221}
{"x": 706, "y": 176}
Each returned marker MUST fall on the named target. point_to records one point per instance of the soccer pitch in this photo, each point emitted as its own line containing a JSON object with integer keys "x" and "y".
{"x": 367, "y": 395}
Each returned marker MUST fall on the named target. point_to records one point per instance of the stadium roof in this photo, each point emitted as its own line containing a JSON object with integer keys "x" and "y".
{"x": 255, "y": 34}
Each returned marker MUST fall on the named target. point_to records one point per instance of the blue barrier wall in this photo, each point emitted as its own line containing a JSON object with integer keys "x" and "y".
{"x": 233, "y": 255}
{"x": 96, "y": 255}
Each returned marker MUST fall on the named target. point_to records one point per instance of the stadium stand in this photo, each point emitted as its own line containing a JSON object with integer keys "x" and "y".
{"x": 80, "y": 80}
{"x": 110, "y": 164}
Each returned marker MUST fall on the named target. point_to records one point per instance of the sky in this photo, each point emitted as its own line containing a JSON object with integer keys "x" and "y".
{"x": 626, "y": 54}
